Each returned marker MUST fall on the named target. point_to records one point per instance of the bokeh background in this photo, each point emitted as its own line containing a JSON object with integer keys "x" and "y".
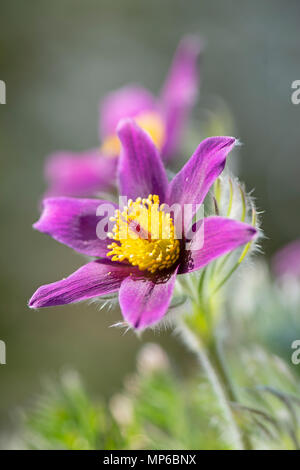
{"x": 58, "y": 59}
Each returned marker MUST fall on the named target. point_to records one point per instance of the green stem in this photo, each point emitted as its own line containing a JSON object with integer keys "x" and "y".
{"x": 213, "y": 363}
{"x": 217, "y": 358}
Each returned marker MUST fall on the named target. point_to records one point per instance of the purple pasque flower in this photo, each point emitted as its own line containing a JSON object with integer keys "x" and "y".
{"x": 80, "y": 174}
{"x": 286, "y": 262}
{"x": 143, "y": 268}
{"x": 92, "y": 171}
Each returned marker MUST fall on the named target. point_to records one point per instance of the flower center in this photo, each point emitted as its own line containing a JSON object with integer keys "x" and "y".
{"x": 145, "y": 235}
{"x": 151, "y": 122}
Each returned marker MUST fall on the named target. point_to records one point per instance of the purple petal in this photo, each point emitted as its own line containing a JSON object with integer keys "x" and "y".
{"x": 194, "y": 180}
{"x": 74, "y": 222}
{"x": 126, "y": 102}
{"x": 80, "y": 174}
{"x": 220, "y": 235}
{"x": 286, "y": 262}
{"x": 144, "y": 302}
{"x": 141, "y": 171}
{"x": 91, "y": 280}
{"x": 180, "y": 91}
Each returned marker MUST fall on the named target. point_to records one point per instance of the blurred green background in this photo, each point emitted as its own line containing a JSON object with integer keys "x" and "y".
{"x": 58, "y": 59}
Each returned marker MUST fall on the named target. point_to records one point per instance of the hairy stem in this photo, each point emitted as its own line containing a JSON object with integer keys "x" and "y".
{"x": 212, "y": 361}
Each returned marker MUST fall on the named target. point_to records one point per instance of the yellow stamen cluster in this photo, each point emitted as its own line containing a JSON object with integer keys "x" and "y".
{"x": 151, "y": 122}
{"x": 111, "y": 146}
{"x": 145, "y": 235}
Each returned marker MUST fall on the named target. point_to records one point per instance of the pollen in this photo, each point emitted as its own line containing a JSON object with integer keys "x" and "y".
{"x": 151, "y": 122}
{"x": 144, "y": 236}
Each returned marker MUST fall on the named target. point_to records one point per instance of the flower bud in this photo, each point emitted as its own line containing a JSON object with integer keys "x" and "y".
{"x": 121, "y": 408}
{"x": 151, "y": 359}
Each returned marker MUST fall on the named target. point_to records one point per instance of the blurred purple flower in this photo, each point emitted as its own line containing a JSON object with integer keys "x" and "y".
{"x": 93, "y": 171}
{"x": 142, "y": 270}
{"x": 286, "y": 262}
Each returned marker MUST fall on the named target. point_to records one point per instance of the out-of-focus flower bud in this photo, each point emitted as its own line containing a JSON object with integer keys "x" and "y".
{"x": 121, "y": 408}
{"x": 152, "y": 358}
{"x": 286, "y": 262}
{"x": 70, "y": 379}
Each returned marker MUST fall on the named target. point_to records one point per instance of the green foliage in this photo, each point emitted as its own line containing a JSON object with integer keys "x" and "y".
{"x": 174, "y": 415}
{"x": 156, "y": 410}
{"x": 159, "y": 409}
{"x": 269, "y": 397}
{"x": 66, "y": 418}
